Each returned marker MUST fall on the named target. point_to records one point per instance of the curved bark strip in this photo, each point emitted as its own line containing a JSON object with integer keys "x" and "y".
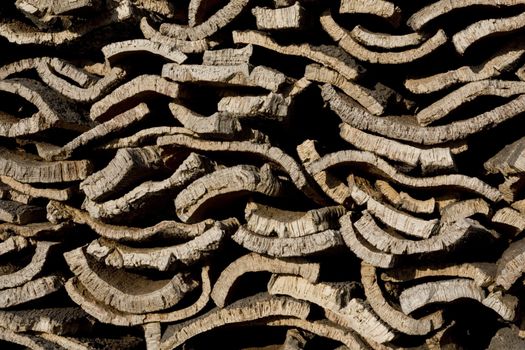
{"x": 483, "y": 274}
{"x": 107, "y": 314}
{"x": 185, "y": 46}
{"x": 329, "y": 56}
{"x": 218, "y": 125}
{"x": 510, "y": 218}
{"x": 486, "y": 28}
{"x": 405, "y": 201}
{"x": 64, "y": 320}
{"x": 373, "y": 100}
{"x": 352, "y": 47}
{"x": 395, "y": 318}
{"x": 509, "y": 161}
{"x": 192, "y": 202}
{"x": 504, "y": 305}
{"x": 495, "y": 65}
{"x": 13, "y": 244}
{"x": 245, "y": 310}
{"x": 225, "y": 57}
{"x": 384, "y": 40}
{"x": 351, "y": 114}
{"x": 384, "y": 169}
{"x": 39, "y": 230}
{"x": 464, "y": 209}
{"x": 29, "y": 271}
{"x": 168, "y": 230}
{"x": 118, "y": 50}
{"x": 30, "y": 170}
{"x": 213, "y": 24}
{"x": 57, "y": 78}
{"x": 323, "y": 328}
{"x": 31, "y": 290}
{"x": 35, "y": 192}
{"x": 511, "y": 265}
{"x": 126, "y": 291}
{"x": 361, "y": 248}
{"x": 265, "y": 151}
{"x": 129, "y": 166}
{"x": 162, "y": 258}
{"x": 444, "y": 7}
{"x": 129, "y": 93}
{"x": 266, "y": 220}
{"x": 116, "y": 124}
{"x": 288, "y": 247}
{"x": 416, "y": 297}
{"x": 191, "y": 168}
{"x": 469, "y": 92}
{"x": 286, "y": 18}
{"x": 380, "y": 8}
{"x": 352, "y": 312}
{"x": 254, "y": 262}
{"x": 19, "y": 66}
{"x": 449, "y": 236}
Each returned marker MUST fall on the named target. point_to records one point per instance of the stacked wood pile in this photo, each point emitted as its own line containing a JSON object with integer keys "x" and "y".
{"x": 265, "y": 174}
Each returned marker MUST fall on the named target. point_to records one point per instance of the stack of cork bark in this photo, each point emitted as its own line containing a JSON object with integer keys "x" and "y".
{"x": 264, "y": 174}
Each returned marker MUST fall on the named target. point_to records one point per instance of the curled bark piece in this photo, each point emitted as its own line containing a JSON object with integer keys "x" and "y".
{"x": 450, "y": 235}
{"x": 114, "y": 125}
{"x": 213, "y": 24}
{"x": 510, "y": 218}
{"x": 52, "y": 73}
{"x": 482, "y": 274}
{"x": 191, "y": 168}
{"x": 381, "y": 167}
{"x": 107, "y": 314}
{"x": 29, "y": 271}
{"x": 253, "y": 262}
{"x": 52, "y": 111}
{"x": 21, "y": 214}
{"x": 390, "y": 314}
{"x": 273, "y": 106}
{"x": 116, "y": 51}
{"x": 508, "y": 161}
{"x": 397, "y": 220}
{"x": 381, "y": 8}
{"x": 37, "y": 230}
{"x": 464, "y": 209}
{"x": 504, "y": 305}
{"x": 192, "y": 202}
{"x": 292, "y": 17}
{"x": 353, "y": 48}
{"x": 29, "y": 170}
{"x": 128, "y": 94}
{"x": 32, "y": 290}
{"x": 352, "y": 312}
{"x": 288, "y": 247}
{"x": 421, "y": 295}
{"x": 57, "y": 320}
{"x": 511, "y": 265}
{"x": 441, "y": 108}
{"x": 323, "y": 329}
{"x": 384, "y": 40}
{"x": 245, "y": 310}
{"x": 351, "y": 114}
{"x": 361, "y": 248}
{"x": 500, "y": 62}
{"x": 330, "y": 56}
{"x": 220, "y": 125}
{"x": 19, "y": 66}
{"x": 13, "y": 244}
{"x": 54, "y": 7}
{"x": 113, "y": 287}
{"x": 404, "y": 201}
{"x": 266, "y": 220}
{"x": 225, "y": 57}
{"x": 152, "y": 334}
{"x": 430, "y": 159}
{"x": 444, "y": 7}
{"x": 169, "y": 230}
{"x": 331, "y": 185}
{"x": 162, "y": 258}
{"x": 185, "y": 46}
{"x": 375, "y": 101}
{"x": 49, "y": 193}
{"x": 127, "y": 167}
{"x": 485, "y": 28}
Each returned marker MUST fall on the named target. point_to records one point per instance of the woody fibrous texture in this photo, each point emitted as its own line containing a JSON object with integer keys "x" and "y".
{"x": 262, "y": 174}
